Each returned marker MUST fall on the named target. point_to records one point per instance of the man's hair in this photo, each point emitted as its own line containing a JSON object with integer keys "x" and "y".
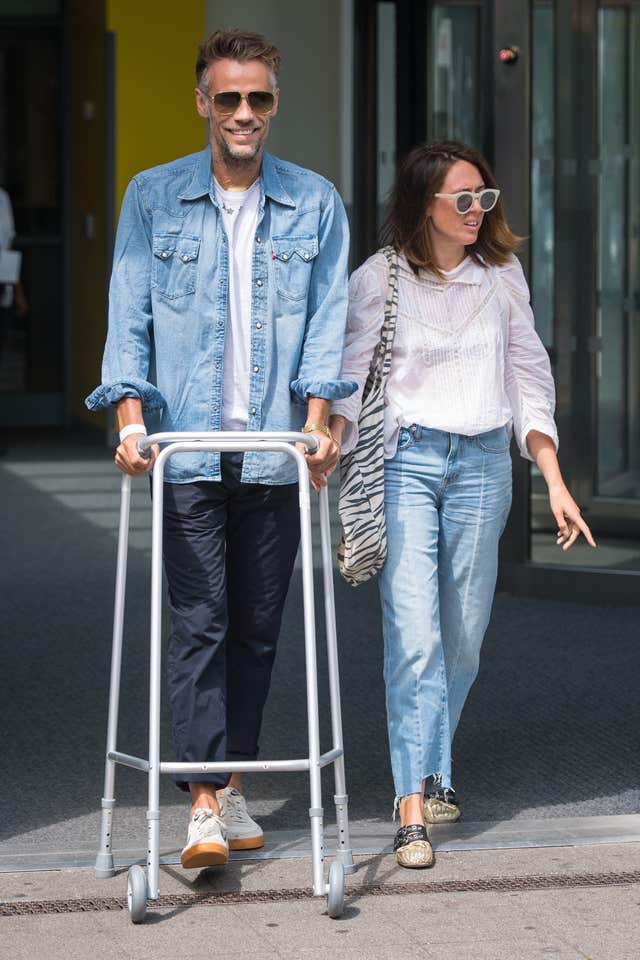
{"x": 420, "y": 176}
{"x": 236, "y": 45}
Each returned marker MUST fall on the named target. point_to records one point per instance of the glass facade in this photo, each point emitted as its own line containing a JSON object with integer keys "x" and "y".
{"x": 567, "y": 115}
{"x": 617, "y": 349}
{"x": 386, "y": 104}
{"x": 543, "y": 169}
{"x": 454, "y": 61}
{"x": 32, "y": 348}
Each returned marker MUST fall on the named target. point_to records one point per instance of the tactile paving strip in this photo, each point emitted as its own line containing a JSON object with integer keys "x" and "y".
{"x": 486, "y": 885}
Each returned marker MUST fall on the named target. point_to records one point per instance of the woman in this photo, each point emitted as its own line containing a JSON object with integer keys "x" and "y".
{"x": 467, "y": 369}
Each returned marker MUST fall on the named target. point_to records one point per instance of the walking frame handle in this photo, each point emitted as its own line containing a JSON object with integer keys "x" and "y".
{"x": 144, "y": 444}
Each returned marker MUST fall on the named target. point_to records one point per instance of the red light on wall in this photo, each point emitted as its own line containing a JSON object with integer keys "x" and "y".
{"x": 509, "y": 54}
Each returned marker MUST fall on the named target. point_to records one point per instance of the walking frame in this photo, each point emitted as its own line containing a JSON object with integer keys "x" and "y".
{"x": 142, "y": 887}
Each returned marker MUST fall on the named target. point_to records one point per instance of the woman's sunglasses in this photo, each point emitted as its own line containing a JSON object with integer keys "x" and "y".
{"x": 463, "y": 201}
{"x": 260, "y": 101}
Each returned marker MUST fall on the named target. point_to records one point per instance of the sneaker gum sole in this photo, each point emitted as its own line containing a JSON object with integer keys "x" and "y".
{"x": 246, "y": 843}
{"x": 204, "y": 855}
{"x": 437, "y": 811}
{"x": 415, "y": 855}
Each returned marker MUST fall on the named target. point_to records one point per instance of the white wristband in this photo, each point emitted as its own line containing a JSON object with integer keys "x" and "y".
{"x": 132, "y": 428}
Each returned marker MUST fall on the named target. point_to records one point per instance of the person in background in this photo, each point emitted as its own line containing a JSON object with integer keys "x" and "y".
{"x": 468, "y": 369}
{"x": 12, "y": 296}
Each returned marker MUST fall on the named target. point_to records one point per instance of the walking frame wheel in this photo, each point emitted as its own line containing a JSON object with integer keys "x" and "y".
{"x": 335, "y": 896}
{"x": 136, "y": 893}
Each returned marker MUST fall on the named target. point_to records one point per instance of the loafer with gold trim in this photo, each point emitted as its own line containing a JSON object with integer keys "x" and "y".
{"x": 412, "y": 848}
{"x": 441, "y": 807}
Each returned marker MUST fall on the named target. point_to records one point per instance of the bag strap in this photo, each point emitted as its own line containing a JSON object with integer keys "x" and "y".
{"x": 381, "y": 361}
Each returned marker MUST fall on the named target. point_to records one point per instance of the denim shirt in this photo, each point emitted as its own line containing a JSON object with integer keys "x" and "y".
{"x": 168, "y": 307}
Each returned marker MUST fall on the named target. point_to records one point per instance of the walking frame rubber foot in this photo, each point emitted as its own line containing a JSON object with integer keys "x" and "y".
{"x": 104, "y": 866}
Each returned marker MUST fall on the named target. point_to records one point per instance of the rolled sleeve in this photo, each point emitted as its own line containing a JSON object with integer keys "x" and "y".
{"x": 319, "y": 370}
{"x": 324, "y": 389}
{"x": 128, "y": 351}
{"x": 528, "y": 378}
{"x": 109, "y": 393}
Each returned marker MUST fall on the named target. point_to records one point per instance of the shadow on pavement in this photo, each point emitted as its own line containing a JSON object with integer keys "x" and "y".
{"x": 550, "y": 728}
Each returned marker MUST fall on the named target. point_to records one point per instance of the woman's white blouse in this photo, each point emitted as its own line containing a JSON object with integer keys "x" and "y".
{"x": 466, "y": 357}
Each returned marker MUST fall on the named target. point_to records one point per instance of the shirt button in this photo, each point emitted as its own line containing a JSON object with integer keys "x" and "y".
{"x": 253, "y": 409}
{"x": 256, "y": 369}
{"x": 221, "y": 282}
{"x": 164, "y": 254}
{"x": 285, "y": 256}
{"x": 306, "y": 256}
{"x": 259, "y": 282}
{"x": 258, "y": 240}
{"x": 184, "y": 257}
{"x": 215, "y": 407}
{"x": 258, "y": 325}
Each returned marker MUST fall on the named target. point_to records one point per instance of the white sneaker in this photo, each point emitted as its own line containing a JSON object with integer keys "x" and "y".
{"x": 243, "y": 832}
{"x": 207, "y": 844}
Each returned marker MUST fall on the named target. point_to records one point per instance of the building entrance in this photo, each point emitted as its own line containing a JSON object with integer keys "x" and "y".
{"x": 32, "y": 332}
{"x": 545, "y": 89}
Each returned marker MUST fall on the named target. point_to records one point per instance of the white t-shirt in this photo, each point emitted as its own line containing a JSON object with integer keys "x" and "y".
{"x": 240, "y": 218}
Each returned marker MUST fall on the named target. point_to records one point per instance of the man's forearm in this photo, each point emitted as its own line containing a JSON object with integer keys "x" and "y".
{"x": 318, "y": 410}
{"x": 129, "y": 410}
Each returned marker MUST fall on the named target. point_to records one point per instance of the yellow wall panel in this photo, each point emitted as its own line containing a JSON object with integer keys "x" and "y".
{"x": 156, "y": 47}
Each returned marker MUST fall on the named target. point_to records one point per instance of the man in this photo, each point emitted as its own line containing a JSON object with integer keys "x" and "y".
{"x": 227, "y": 312}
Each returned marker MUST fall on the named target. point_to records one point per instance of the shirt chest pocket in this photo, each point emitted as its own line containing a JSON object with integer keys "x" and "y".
{"x": 293, "y": 258}
{"x": 175, "y": 265}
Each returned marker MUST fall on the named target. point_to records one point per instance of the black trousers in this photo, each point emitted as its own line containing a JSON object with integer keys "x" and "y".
{"x": 229, "y": 550}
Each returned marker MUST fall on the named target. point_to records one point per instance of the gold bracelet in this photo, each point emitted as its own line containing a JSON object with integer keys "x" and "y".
{"x": 317, "y": 428}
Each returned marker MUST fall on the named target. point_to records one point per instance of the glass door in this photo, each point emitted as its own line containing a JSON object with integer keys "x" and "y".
{"x": 454, "y": 90}
{"x": 617, "y": 344}
{"x": 585, "y": 272}
{"x": 32, "y": 335}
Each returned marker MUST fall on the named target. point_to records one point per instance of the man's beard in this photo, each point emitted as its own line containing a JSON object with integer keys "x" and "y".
{"x": 239, "y": 159}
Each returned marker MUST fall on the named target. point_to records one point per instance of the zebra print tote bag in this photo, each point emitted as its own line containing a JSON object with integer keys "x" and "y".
{"x": 363, "y": 548}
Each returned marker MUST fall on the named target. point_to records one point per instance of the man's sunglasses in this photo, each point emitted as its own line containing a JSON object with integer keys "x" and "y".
{"x": 260, "y": 101}
{"x": 463, "y": 201}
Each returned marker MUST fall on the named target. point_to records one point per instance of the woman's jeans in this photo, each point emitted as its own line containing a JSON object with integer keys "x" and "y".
{"x": 447, "y": 498}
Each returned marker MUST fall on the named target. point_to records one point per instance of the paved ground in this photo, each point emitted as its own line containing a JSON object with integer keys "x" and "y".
{"x": 550, "y": 733}
{"x": 550, "y": 729}
{"x": 564, "y": 904}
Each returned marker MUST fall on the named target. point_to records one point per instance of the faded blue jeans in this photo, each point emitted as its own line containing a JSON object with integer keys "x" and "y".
{"x": 447, "y": 498}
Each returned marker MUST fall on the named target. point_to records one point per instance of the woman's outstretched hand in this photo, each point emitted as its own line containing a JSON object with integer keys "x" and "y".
{"x": 568, "y": 517}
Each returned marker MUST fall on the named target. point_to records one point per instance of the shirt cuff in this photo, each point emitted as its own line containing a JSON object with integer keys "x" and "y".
{"x": 115, "y": 390}
{"x": 547, "y": 427}
{"x": 303, "y": 388}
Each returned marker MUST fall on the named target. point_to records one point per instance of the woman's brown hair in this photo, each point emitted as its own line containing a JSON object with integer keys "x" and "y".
{"x": 420, "y": 176}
